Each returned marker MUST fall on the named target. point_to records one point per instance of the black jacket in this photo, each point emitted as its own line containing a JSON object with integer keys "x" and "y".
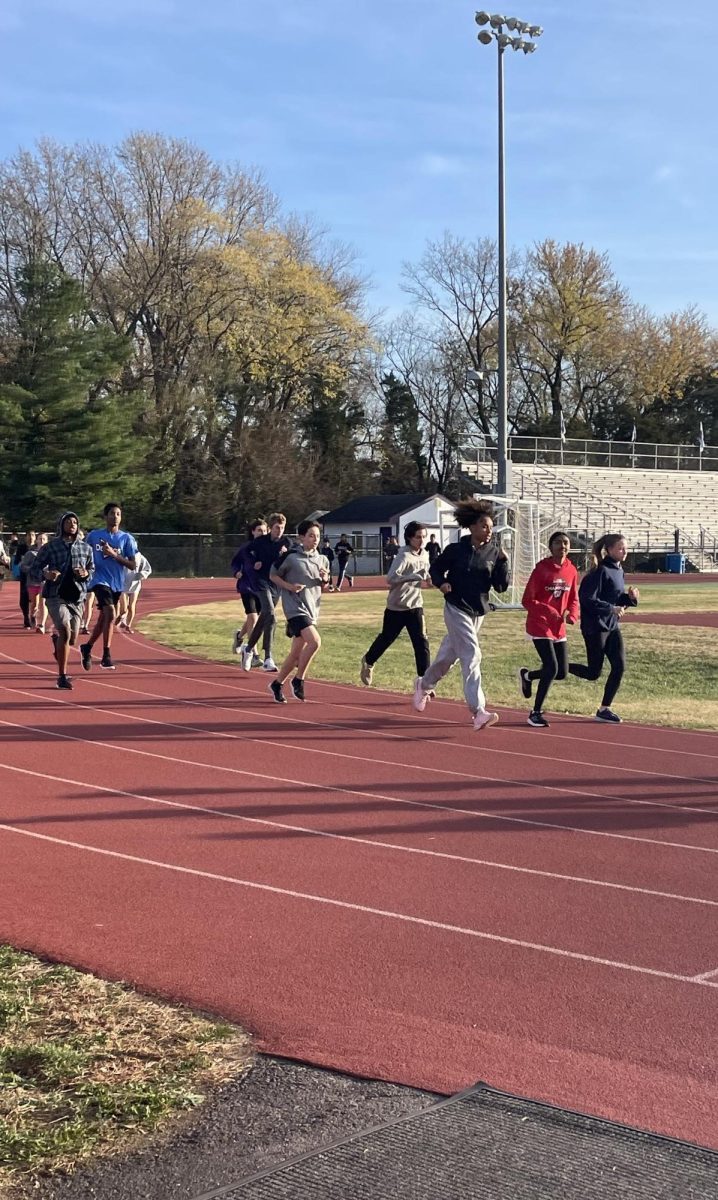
{"x": 265, "y": 551}
{"x": 471, "y": 573}
{"x": 600, "y": 590}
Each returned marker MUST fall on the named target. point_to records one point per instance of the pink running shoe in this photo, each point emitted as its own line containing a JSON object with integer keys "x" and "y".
{"x": 482, "y": 720}
{"x": 420, "y": 698}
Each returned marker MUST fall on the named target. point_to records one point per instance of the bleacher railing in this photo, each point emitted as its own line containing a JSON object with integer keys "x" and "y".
{"x": 587, "y": 452}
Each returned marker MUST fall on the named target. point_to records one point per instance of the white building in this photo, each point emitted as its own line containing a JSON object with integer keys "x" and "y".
{"x": 369, "y": 521}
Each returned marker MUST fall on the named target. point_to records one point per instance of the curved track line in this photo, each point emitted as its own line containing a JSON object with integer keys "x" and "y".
{"x": 363, "y": 908}
{"x": 225, "y": 814}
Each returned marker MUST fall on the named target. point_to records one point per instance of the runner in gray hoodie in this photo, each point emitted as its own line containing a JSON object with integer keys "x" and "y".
{"x": 404, "y": 608}
{"x": 300, "y": 574}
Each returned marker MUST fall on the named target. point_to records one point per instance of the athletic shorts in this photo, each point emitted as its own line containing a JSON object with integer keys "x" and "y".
{"x": 104, "y": 596}
{"x": 34, "y": 589}
{"x": 250, "y": 602}
{"x": 295, "y": 625}
{"x": 65, "y": 615}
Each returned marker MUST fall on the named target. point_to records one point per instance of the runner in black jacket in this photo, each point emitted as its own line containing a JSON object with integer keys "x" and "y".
{"x": 604, "y": 598}
{"x": 465, "y": 572}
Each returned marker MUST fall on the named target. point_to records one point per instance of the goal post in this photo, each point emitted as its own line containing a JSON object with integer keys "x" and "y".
{"x": 524, "y": 535}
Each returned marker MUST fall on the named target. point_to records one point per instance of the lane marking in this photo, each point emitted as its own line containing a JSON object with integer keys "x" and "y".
{"x": 237, "y": 714}
{"x": 406, "y": 918}
{"x": 705, "y": 976}
{"x": 423, "y": 804}
{"x": 342, "y": 837}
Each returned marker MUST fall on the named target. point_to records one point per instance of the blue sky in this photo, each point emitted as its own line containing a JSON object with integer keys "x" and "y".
{"x": 379, "y": 117}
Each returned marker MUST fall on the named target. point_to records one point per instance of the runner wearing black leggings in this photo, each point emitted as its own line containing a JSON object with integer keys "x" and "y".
{"x": 550, "y": 599}
{"x": 604, "y": 599}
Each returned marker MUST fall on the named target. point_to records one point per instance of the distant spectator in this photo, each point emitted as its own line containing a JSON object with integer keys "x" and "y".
{"x": 344, "y": 551}
{"x": 433, "y": 549}
{"x": 326, "y": 550}
{"x": 391, "y": 549}
{"x": 21, "y": 549}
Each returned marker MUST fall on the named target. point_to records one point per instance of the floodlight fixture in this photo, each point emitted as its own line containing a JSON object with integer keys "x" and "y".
{"x": 504, "y": 40}
{"x": 517, "y": 44}
{"x": 511, "y": 23}
{"x": 528, "y": 47}
{"x": 482, "y": 18}
{"x": 485, "y": 37}
{"x": 535, "y": 31}
{"x": 497, "y": 21}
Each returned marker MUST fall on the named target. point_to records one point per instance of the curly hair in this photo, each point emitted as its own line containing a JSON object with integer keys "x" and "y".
{"x": 468, "y": 512}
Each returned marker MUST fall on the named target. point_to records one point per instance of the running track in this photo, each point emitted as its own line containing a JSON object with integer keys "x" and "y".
{"x": 368, "y": 889}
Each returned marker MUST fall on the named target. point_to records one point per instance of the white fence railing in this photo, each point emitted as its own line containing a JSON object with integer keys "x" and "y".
{"x": 587, "y": 452}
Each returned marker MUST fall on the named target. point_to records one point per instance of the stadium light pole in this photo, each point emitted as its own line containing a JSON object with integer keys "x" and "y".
{"x": 498, "y": 26}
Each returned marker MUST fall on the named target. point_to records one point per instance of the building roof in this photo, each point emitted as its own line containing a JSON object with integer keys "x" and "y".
{"x": 376, "y": 508}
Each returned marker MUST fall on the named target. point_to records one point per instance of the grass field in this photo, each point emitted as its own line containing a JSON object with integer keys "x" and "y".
{"x": 86, "y": 1067}
{"x": 672, "y": 675}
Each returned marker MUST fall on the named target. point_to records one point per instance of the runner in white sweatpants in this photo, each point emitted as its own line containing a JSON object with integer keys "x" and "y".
{"x": 464, "y": 572}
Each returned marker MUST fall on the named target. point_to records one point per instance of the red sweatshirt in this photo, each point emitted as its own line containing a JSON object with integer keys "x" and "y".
{"x": 550, "y": 596}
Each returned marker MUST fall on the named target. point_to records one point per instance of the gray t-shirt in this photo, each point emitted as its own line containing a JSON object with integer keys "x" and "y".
{"x": 301, "y": 566}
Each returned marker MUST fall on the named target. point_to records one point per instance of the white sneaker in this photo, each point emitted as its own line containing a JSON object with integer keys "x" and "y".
{"x": 246, "y": 659}
{"x": 237, "y": 642}
{"x": 420, "y": 698}
{"x": 269, "y": 664}
{"x": 366, "y": 673}
{"x": 482, "y": 720}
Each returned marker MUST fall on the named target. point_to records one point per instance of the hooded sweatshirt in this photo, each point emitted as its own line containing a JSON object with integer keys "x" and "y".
{"x": 550, "y": 595}
{"x": 409, "y": 569}
{"x": 471, "y": 573}
{"x": 65, "y": 555}
{"x": 301, "y": 566}
{"x": 600, "y": 590}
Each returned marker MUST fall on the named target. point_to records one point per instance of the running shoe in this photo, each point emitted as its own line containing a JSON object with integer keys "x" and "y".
{"x": 269, "y": 664}
{"x": 276, "y": 689}
{"x": 366, "y": 672}
{"x": 298, "y": 689}
{"x": 256, "y": 660}
{"x": 84, "y": 630}
{"x": 538, "y": 720}
{"x": 39, "y": 629}
{"x": 524, "y": 682}
{"x": 608, "y": 716}
{"x": 246, "y": 657}
{"x": 86, "y": 656}
{"x": 237, "y": 642}
{"x": 483, "y": 720}
{"x": 420, "y": 698}
{"x": 64, "y": 683}
{"x": 106, "y": 661}
{"x": 350, "y": 581}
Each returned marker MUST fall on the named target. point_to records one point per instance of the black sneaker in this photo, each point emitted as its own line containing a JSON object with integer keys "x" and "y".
{"x": 275, "y": 688}
{"x": 106, "y": 661}
{"x": 524, "y": 683}
{"x": 64, "y": 683}
{"x": 86, "y": 656}
{"x": 538, "y": 720}
{"x": 607, "y": 715}
{"x": 298, "y": 689}
{"x": 350, "y": 581}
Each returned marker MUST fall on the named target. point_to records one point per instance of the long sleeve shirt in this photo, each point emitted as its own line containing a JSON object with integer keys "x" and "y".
{"x": 409, "y": 569}
{"x": 471, "y": 573}
{"x": 601, "y": 590}
{"x": 550, "y": 596}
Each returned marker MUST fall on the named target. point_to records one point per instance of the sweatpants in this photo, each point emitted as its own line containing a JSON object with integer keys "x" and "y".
{"x": 264, "y": 629}
{"x": 462, "y": 643}
{"x": 599, "y": 647}
{"x": 410, "y": 619}
{"x": 554, "y": 665}
{"x": 341, "y": 572}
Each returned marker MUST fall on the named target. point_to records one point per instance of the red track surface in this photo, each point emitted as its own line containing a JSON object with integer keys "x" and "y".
{"x": 369, "y": 889}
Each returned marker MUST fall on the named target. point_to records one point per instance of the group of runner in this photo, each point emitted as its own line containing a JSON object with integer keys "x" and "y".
{"x": 465, "y": 571}
{"x": 65, "y": 576}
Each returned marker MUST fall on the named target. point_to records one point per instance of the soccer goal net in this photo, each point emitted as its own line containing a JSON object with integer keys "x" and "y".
{"x": 524, "y": 534}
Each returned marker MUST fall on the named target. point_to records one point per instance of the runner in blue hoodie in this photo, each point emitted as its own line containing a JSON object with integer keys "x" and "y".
{"x": 604, "y": 598}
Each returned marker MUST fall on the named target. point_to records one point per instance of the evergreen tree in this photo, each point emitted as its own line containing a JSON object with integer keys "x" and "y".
{"x": 403, "y": 465}
{"x": 66, "y": 434}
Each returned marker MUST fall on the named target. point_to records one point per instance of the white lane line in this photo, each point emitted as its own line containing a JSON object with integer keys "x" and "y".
{"x": 407, "y": 918}
{"x": 185, "y": 657}
{"x": 705, "y": 976}
{"x": 526, "y": 785}
{"x": 422, "y": 804}
{"x": 343, "y": 837}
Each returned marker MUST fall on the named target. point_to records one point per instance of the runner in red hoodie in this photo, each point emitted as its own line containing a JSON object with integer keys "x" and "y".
{"x": 550, "y": 599}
